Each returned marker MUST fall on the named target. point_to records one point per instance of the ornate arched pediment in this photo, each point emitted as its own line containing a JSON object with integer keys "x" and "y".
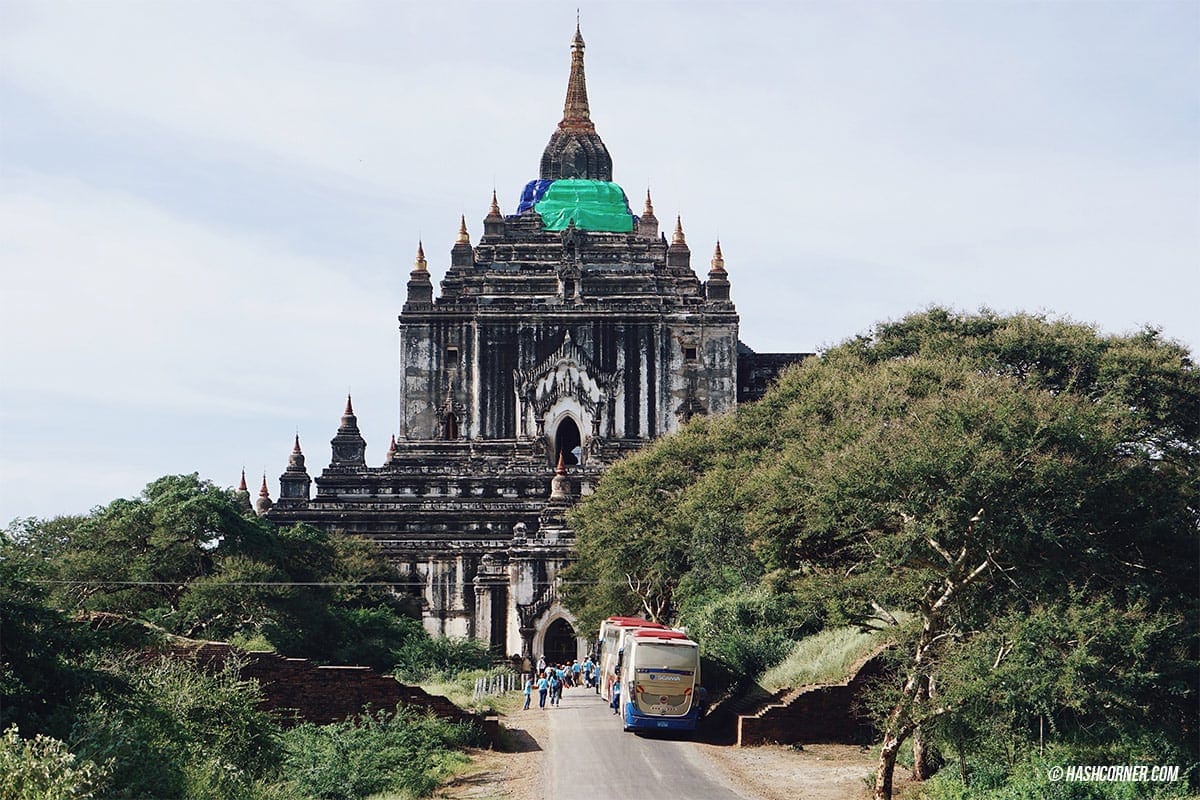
{"x": 568, "y": 372}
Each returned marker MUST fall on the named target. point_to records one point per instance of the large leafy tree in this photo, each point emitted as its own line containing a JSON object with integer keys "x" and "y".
{"x": 185, "y": 556}
{"x": 966, "y": 470}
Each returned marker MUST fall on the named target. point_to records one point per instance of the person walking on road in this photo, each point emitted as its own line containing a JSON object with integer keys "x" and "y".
{"x": 543, "y": 685}
{"x": 555, "y": 687}
{"x": 528, "y": 691}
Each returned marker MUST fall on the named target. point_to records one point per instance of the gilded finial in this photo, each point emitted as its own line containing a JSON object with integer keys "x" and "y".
{"x": 463, "y": 236}
{"x": 649, "y": 211}
{"x": 420, "y": 264}
{"x": 678, "y": 237}
{"x": 494, "y": 211}
{"x": 718, "y": 261}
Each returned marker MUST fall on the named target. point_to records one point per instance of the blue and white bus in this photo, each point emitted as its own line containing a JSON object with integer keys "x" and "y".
{"x": 612, "y": 638}
{"x": 660, "y": 680}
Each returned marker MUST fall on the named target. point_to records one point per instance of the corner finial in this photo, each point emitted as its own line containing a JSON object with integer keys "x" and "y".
{"x": 349, "y": 412}
{"x": 718, "y": 261}
{"x": 561, "y": 468}
{"x": 420, "y": 264}
{"x": 296, "y": 446}
{"x": 463, "y": 236}
{"x": 494, "y": 211}
{"x": 262, "y": 492}
{"x": 678, "y": 237}
{"x": 242, "y": 486}
{"x": 649, "y": 210}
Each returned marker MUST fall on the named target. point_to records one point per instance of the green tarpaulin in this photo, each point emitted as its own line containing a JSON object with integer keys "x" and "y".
{"x": 594, "y": 205}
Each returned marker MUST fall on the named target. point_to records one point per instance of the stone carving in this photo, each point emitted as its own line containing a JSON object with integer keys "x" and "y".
{"x": 568, "y": 372}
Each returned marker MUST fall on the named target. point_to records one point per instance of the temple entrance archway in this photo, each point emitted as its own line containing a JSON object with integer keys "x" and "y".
{"x": 559, "y": 646}
{"x": 567, "y": 442}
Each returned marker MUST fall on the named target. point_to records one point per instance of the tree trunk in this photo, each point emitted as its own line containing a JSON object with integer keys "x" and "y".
{"x": 887, "y": 767}
{"x": 895, "y": 732}
{"x": 920, "y": 768}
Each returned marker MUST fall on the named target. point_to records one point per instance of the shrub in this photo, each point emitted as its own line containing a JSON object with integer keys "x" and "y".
{"x": 181, "y": 732}
{"x": 42, "y": 768}
{"x": 424, "y": 658}
{"x": 396, "y": 752}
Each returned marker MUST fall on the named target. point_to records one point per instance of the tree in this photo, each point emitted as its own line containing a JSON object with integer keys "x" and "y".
{"x": 183, "y": 556}
{"x": 959, "y": 468}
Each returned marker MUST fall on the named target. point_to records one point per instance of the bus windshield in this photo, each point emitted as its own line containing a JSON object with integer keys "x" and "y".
{"x": 666, "y": 656}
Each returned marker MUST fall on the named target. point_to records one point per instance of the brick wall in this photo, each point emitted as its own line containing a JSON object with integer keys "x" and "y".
{"x": 299, "y": 690}
{"x": 825, "y": 714}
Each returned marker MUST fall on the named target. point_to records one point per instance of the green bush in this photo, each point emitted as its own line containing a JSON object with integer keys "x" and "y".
{"x": 424, "y": 658}
{"x": 43, "y": 768}
{"x": 398, "y": 752}
{"x": 745, "y": 634}
{"x": 179, "y": 732}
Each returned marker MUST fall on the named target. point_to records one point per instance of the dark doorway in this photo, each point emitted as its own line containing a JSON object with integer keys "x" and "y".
{"x": 451, "y": 426}
{"x": 559, "y": 643}
{"x": 567, "y": 442}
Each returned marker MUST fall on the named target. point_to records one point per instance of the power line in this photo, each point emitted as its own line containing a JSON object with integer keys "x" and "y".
{"x": 297, "y": 583}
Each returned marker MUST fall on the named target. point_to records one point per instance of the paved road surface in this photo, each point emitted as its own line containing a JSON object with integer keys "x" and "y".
{"x": 589, "y": 757}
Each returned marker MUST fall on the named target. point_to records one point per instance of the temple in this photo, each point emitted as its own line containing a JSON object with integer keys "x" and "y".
{"x": 572, "y": 333}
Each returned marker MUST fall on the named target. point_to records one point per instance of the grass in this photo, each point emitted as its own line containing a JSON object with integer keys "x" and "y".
{"x": 824, "y": 657}
{"x": 460, "y": 690}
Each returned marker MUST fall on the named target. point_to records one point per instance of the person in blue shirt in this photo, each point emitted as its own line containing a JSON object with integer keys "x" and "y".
{"x": 528, "y": 691}
{"x": 555, "y": 686}
{"x": 543, "y": 685}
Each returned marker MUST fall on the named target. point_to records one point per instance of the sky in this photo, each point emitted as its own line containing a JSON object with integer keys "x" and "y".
{"x": 208, "y": 210}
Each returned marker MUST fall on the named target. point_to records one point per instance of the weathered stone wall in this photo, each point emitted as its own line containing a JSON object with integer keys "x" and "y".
{"x": 826, "y": 714}
{"x": 299, "y": 690}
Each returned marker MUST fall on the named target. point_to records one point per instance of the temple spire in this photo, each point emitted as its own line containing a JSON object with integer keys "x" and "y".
{"x": 576, "y": 114}
{"x": 464, "y": 236}
{"x": 575, "y": 150}
{"x": 678, "y": 238}
{"x": 242, "y": 496}
{"x": 263, "y": 504}
{"x": 718, "y": 260}
{"x": 647, "y": 222}
{"x": 420, "y": 264}
{"x": 679, "y": 254}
